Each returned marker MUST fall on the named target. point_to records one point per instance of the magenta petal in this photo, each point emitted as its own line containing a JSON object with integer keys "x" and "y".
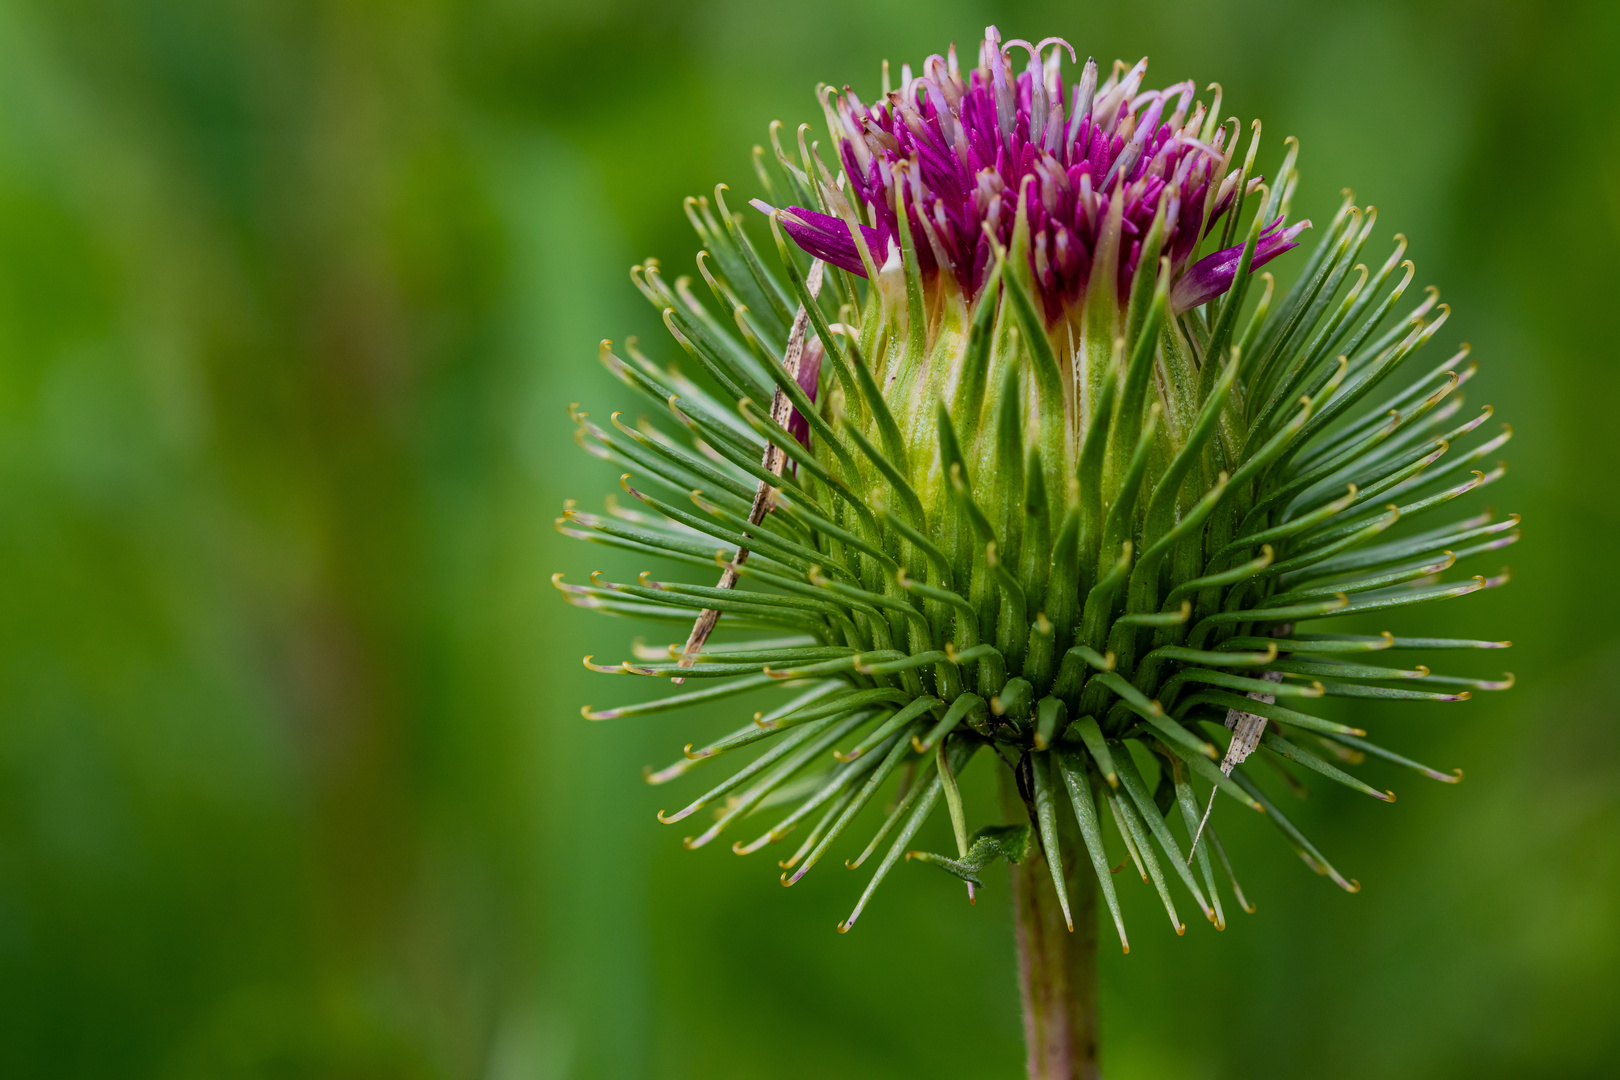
{"x": 1212, "y": 275}
{"x": 825, "y": 237}
{"x": 809, "y": 373}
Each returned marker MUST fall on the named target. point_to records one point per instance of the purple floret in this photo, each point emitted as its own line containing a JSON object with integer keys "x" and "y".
{"x": 809, "y": 373}
{"x": 1212, "y": 275}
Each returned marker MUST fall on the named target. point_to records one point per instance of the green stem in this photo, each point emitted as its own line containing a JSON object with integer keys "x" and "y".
{"x": 1057, "y": 968}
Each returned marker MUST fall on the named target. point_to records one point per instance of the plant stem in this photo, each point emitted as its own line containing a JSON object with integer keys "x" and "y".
{"x": 1057, "y": 968}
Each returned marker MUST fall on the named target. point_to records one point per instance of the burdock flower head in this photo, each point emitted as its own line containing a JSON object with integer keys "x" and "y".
{"x": 968, "y": 161}
{"x": 1001, "y": 457}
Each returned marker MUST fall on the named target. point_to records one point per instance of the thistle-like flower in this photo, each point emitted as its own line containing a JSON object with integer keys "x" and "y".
{"x": 1007, "y": 458}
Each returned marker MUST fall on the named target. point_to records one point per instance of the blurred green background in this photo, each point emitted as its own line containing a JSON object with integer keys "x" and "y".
{"x": 293, "y": 781}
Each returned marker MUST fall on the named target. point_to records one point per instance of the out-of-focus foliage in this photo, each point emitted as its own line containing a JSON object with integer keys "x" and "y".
{"x": 292, "y": 779}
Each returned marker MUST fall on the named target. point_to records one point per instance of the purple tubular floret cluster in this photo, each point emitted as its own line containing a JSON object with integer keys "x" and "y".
{"x": 960, "y": 153}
